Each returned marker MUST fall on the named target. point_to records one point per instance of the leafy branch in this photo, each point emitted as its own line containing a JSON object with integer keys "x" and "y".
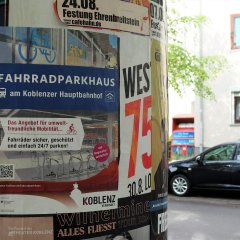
{"x": 185, "y": 68}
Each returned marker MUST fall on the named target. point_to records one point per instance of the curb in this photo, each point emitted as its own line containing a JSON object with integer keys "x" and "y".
{"x": 206, "y": 200}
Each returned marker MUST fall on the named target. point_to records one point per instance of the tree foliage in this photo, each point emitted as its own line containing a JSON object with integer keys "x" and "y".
{"x": 187, "y": 69}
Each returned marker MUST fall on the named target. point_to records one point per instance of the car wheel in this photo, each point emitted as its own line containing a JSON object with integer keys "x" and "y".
{"x": 180, "y": 185}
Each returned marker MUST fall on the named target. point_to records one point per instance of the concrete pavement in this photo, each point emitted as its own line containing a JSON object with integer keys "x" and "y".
{"x": 203, "y": 218}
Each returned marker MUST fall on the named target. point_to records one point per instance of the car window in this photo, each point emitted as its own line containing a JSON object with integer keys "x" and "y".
{"x": 238, "y": 154}
{"x": 224, "y": 152}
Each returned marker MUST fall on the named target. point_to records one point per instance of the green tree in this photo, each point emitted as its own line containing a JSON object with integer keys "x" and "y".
{"x": 185, "y": 68}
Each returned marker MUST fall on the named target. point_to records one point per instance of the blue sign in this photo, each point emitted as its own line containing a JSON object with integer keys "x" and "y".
{"x": 183, "y": 135}
{"x": 183, "y": 142}
{"x": 59, "y": 87}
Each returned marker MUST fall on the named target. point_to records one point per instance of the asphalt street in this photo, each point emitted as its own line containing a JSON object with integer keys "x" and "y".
{"x": 204, "y": 216}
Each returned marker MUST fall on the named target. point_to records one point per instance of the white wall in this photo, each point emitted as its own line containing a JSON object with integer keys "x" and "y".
{"x": 179, "y": 104}
{"x": 217, "y": 124}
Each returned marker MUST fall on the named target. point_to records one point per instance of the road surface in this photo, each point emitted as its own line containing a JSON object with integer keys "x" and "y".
{"x": 208, "y": 216}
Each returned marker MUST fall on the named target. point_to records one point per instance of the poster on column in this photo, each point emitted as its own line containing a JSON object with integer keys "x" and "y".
{"x": 158, "y": 20}
{"x": 159, "y": 181}
{"x": 59, "y": 120}
{"x": 158, "y": 205}
{"x": 135, "y": 116}
{"x": 42, "y": 228}
{"x": 26, "y": 228}
{"x": 106, "y": 14}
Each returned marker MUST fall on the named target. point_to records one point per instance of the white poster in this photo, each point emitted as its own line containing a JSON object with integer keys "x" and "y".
{"x": 109, "y": 14}
{"x": 135, "y": 160}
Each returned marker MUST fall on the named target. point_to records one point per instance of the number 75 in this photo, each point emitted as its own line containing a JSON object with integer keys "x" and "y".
{"x": 134, "y": 108}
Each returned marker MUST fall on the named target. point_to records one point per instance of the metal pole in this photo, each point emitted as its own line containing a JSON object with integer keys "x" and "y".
{"x": 201, "y": 104}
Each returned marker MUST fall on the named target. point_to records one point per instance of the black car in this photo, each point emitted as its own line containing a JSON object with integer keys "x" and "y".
{"x": 216, "y": 168}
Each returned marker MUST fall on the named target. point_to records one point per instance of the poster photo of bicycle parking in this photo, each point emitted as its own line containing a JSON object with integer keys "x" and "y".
{"x": 58, "y": 47}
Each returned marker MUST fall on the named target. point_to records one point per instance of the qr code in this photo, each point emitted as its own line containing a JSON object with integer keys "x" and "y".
{"x": 7, "y": 171}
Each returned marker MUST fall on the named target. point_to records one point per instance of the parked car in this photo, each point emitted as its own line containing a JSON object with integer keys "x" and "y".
{"x": 216, "y": 168}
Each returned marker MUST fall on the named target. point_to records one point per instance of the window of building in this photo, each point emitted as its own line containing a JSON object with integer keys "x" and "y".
{"x": 41, "y": 37}
{"x": 235, "y": 31}
{"x": 5, "y": 34}
{"x": 237, "y": 108}
{"x": 78, "y": 49}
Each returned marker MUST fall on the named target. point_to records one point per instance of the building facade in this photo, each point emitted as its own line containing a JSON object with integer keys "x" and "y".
{"x": 218, "y": 121}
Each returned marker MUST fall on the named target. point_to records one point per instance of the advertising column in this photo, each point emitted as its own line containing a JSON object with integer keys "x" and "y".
{"x": 83, "y": 120}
